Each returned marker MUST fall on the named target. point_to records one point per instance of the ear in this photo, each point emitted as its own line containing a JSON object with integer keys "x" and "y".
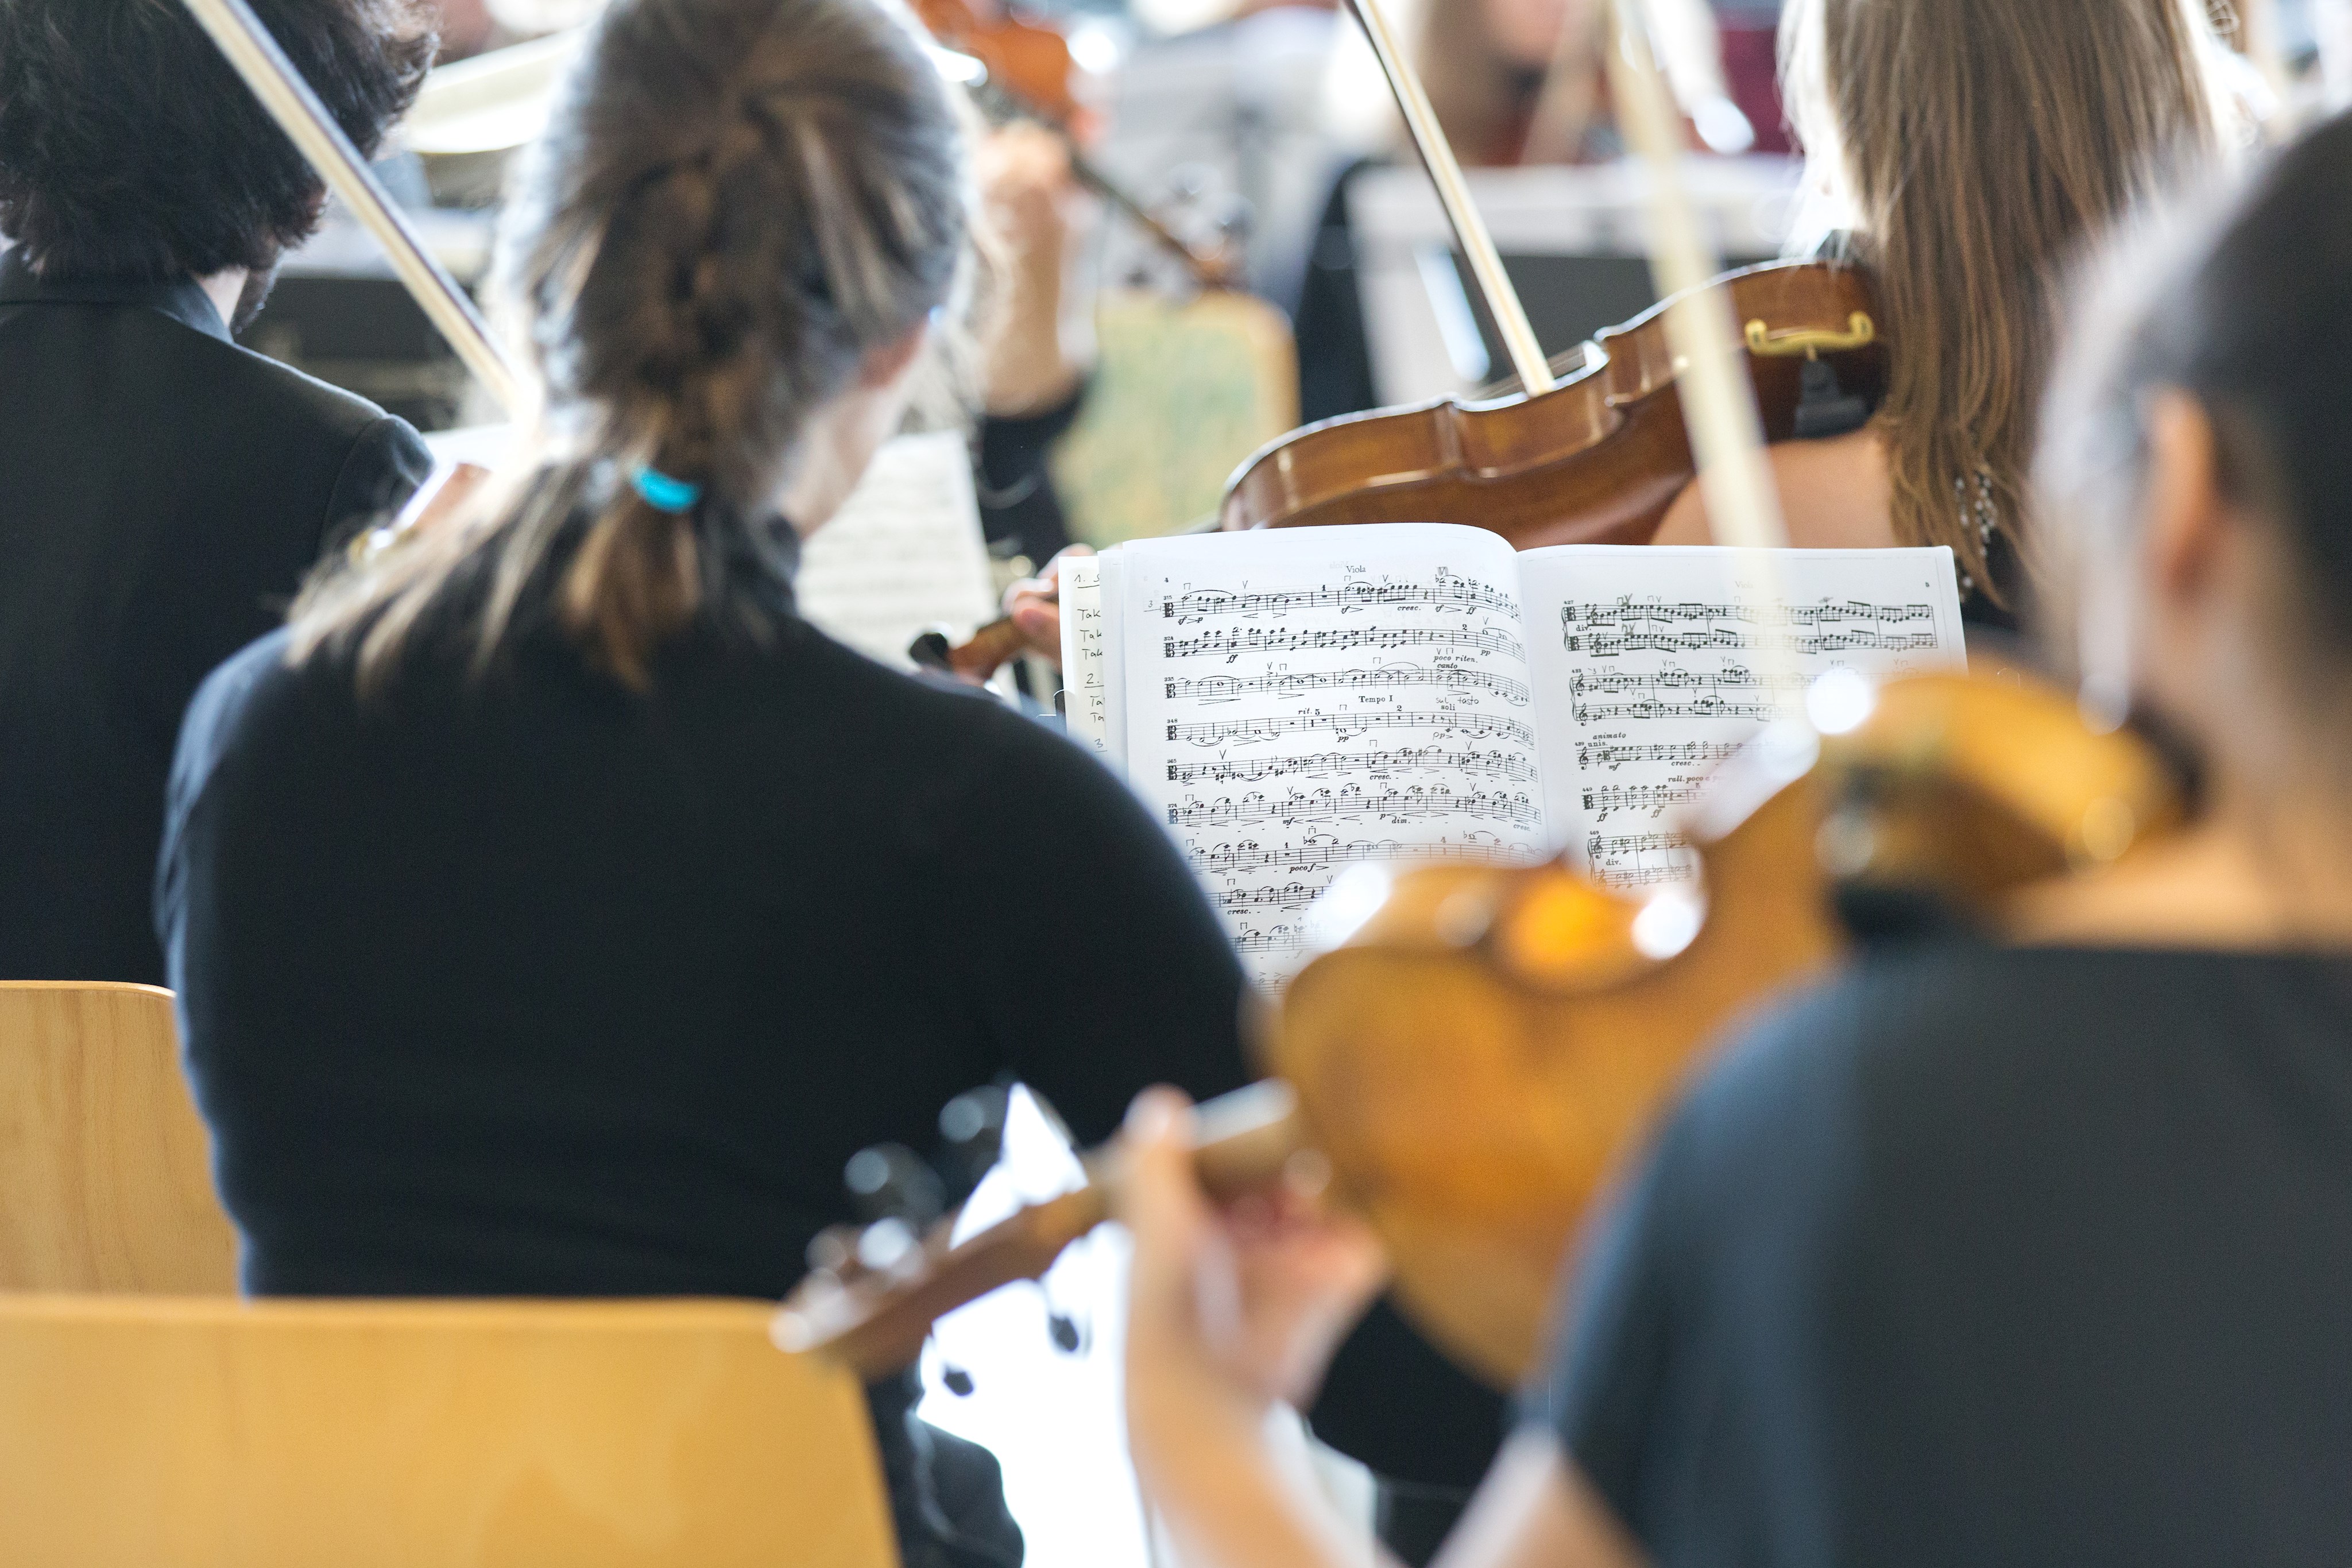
{"x": 2187, "y": 520}
{"x": 886, "y": 362}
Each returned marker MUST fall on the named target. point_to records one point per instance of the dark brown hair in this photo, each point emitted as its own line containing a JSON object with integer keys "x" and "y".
{"x": 1982, "y": 145}
{"x": 736, "y": 202}
{"x": 2246, "y": 306}
{"x": 129, "y": 148}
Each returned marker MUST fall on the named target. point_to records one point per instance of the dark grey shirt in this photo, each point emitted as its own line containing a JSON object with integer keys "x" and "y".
{"x": 1985, "y": 1257}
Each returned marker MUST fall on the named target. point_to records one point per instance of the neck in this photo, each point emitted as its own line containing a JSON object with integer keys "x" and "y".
{"x": 2267, "y": 865}
{"x": 225, "y": 289}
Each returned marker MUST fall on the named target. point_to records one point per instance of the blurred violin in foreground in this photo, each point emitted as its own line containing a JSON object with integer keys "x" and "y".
{"x": 1477, "y": 1049}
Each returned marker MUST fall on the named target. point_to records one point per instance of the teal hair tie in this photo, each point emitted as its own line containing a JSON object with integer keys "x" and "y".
{"x": 664, "y": 494}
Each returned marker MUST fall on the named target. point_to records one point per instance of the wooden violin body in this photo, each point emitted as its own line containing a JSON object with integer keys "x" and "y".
{"x": 1479, "y": 1056}
{"x": 1596, "y": 460}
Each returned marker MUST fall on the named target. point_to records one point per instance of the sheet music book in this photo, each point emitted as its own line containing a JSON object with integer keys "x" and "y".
{"x": 1293, "y": 702}
{"x": 904, "y": 554}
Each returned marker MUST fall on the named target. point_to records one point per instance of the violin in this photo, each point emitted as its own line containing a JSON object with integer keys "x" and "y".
{"x": 1027, "y": 72}
{"x": 1596, "y": 458}
{"x": 1467, "y": 1064}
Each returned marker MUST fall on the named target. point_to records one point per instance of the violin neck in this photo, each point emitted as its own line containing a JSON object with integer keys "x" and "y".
{"x": 1209, "y": 271}
{"x": 1446, "y": 172}
{"x": 1242, "y": 1141}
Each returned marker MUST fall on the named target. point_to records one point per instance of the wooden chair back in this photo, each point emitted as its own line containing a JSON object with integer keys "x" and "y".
{"x": 1182, "y": 392}
{"x": 105, "y": 1167}
{"x": 144, "y": 1432}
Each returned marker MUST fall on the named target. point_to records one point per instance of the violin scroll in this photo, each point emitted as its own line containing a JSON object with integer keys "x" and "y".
{"x": 871, "y": 1295}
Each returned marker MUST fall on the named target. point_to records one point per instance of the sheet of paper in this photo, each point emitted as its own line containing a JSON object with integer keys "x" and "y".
{"x": 1646, "y": 660}
{"x": 1114, "y": 624}
{"x": 483, "y": 445}
{"x": 905, "y": 553}
{"x": 1086, "y": 697}
{"x": 1300, "y": 701}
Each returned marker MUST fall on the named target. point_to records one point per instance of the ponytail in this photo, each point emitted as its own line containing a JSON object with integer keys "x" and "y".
{"x": 736, "y": 202}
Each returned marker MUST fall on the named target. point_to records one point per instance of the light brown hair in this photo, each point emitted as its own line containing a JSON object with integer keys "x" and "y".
{"x": 735, "y": 203}
{"x": 1979, "y": 145}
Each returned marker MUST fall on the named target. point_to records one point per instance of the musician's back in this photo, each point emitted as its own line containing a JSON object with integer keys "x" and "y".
{"x": 163, "y": 491}
{"x": 527, "y": 983}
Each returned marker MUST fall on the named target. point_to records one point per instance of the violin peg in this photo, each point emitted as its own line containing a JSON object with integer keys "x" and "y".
{"x": 889, "y": 1182}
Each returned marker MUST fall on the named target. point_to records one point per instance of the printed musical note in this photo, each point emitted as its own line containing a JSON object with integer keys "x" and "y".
{"x": 1273, "y": 940}
{"x": 1669, "y": 659}
{"x": 1613, "y": 755}
{"x": 1441, "y": 590}
{"x": 1603, "y": 802}
{"x": 1629, "y": 625}
{"x": 1675, "y": 692}
{"x": 1367, "y": 677}
{"x": 1349, "y": 725}
{"x": 1328, "y": 855}
{"x": 1336, "y": 805}
{"x": 1387, "y": 677}
{"x": 1292, "y": 896}
{"x": 1512, "y": 764}
{"x": 1639, "y": 859}
{"x": 1232, "y": 642}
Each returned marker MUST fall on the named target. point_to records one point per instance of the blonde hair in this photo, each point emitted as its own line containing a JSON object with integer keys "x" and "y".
{"x": 736, "y": 201}
{"x": 1978, "y": 146}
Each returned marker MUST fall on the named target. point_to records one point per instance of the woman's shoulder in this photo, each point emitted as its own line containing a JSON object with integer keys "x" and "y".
{"x": 1963, "y": 1048}
{"x": 1836, "y": 493}
{"x": 912, "y": 735}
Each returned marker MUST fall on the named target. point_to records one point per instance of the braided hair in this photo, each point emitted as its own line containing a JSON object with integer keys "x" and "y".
{"x": 737, "y": 202}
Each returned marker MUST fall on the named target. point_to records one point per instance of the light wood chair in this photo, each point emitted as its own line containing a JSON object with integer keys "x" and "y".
{"x": 1182, "y": 392}
{"x": 142, "y": 1432}
{"x": 105, "y": 1167}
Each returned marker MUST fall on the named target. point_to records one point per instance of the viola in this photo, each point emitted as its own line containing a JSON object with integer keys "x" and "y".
{"x": 1467, "y": 1066}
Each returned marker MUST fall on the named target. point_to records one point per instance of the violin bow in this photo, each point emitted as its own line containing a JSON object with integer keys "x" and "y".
{"x": 1453, "y": 193}
{"x": 1719, "y": 400}
{"x": 289, "y": 100}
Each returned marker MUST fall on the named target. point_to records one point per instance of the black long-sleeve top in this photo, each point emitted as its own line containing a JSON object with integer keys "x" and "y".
{"x": 162, "y": 493}
{"x": 529, "y": 984}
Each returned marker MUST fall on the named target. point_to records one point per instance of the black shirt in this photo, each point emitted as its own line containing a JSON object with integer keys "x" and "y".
{"x": 531, "y": 985}
{"x": 162, "y": 493}
{"x": 1986, "y": 1257}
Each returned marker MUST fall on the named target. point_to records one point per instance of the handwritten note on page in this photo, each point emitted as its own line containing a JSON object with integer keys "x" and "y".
{"x": 1299, "y": 702}
{"x": 1085, "y": 670}
{"x": 1652, "y": 669}
{"x": 905, "y": 553}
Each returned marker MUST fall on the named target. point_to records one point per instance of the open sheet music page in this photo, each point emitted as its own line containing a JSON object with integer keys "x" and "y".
{"x": 1299, "y": 701}
{"x": 1646, "y": 660}
{"x": 904, "y": 554}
